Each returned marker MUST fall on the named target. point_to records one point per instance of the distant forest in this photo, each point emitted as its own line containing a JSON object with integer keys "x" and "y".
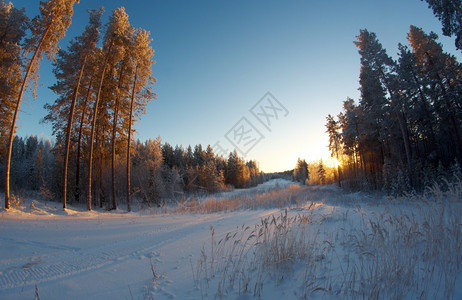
{"x": 159, "y": 173}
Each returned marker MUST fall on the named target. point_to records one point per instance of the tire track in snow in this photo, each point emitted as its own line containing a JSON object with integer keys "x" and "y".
{"x": 73, "y": 263}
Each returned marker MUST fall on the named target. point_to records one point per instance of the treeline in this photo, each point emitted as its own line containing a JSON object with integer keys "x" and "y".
{"x": 313, "y": 173}
{"x": 405, "y": 130}
{"x": 159, "y": 172}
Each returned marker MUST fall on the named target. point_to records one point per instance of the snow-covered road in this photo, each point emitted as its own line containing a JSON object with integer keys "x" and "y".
{"x": 107, "y": 255}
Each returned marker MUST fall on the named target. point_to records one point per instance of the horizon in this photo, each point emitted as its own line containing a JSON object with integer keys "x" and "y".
{"x": 215, "y": 62}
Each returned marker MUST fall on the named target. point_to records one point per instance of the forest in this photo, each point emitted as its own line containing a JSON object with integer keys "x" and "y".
{"x": 159, "y": 173}
{"x": 103, "y": 85}
{"x": 404, "y": 133}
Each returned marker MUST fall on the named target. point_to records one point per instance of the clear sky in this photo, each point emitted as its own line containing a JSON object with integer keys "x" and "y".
{"x": 216, "y": 59}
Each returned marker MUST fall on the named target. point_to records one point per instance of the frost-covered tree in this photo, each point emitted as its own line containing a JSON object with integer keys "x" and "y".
{"x": 335, "y": 142}
{"x": 13, "y": 26}
{"x": 378, "y": 77}
{"x": 113, "y": 50}
{"x": 47, "y": 28}
{"x": 321, "y": 172}
{"x": 301, "y": 173}
{"x": 147, "y": 172}
{"x": 141, "y": 93}
{"x": 89, "y": 79}
{"x": 69, "y": 70}
{"x": 120, "y": 97}
{"x": 442, "y": 73}
{"x": 419, "y": 108}
{"x": 407, "y": 121}
{"x": 449, "y": 12}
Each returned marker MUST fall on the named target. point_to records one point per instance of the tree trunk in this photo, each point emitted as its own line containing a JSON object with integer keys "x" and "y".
{"x": 132, "y": 106}
{"x": 427, "y": 113}
{"x": 407, "y": 146}
{"x": 92, "y": 134}
{"x": 69, "y": 129}
{"x": 101, "y": 189}
{"x": 403, "y": 129}
{"x": 448, "y": 106}
{"x": 79, "y": 143}
{"x": 15, "y": 116}
{"x": 114, "y": 133}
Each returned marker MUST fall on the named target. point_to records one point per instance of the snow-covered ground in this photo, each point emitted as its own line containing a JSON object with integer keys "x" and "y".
{"x": 333, "y": 245}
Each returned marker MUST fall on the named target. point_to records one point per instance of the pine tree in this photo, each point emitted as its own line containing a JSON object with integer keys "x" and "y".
{"x": 419, "y": 109}
{"x": 47, "y": 28}
{"x": 69, "y": 69}
{"x": 142, "y": 54}
{"x": 377, "y": 76}
{"x": 233, "y": 169}
{"x": 301, "y": 173}
{"x": 13, "y": 26}
{"x": 113, "y": 50}
{"x": 121, "y": 95}
{"x": 321, "y": 172}
{"x": 90, "y": 78}
{"x": 449, "y": 12}
{"x": 147, "y": 169}
{"x": 335, "y": 142}
{"x": 443, "y": 74}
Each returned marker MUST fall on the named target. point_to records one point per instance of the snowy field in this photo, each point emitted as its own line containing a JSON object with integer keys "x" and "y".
{"x": 304, "y": 242}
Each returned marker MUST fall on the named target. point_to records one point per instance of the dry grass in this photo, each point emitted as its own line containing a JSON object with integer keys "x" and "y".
{"x": 244, "y": 259}
{"x": 291, "y": 196}
{"x": 410, "y": 248}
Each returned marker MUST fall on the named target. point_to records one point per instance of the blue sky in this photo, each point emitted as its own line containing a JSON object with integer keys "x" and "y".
{"x": 216, "y": 59}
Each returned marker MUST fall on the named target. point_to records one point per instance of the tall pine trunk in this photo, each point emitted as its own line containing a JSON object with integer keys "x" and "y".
{"x": 403, "y": 128}
{"x": 92, "y": 134}
{"x": 132, "y": 106}
{"x": 69, "y": 129}
{"x": 427, "y": 114}
{"x": 79, "y": 144}
{"x": 448, "y": 107}
{"x": 114, "y": 133}
{"x": 15, "y": 116}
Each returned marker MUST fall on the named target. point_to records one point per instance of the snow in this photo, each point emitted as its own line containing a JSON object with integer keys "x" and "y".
{"x": 75, "y": 254}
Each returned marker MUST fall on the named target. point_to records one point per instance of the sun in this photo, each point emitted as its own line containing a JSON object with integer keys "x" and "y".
{"x": 333, "y": 161}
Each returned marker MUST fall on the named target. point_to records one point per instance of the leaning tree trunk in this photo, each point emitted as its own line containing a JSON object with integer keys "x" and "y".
{"x": 132, "y": 105}
{"x": 68, "y": 131}
{"x": 15, "y": 116}
{"x": 403, "y": 129}
{"x": 92, "y": 134}
{"x": 114, "y": 133}
{"x": 79, "y": 144}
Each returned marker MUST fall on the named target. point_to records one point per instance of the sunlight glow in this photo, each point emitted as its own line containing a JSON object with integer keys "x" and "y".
{"x": 334, "y": 162}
